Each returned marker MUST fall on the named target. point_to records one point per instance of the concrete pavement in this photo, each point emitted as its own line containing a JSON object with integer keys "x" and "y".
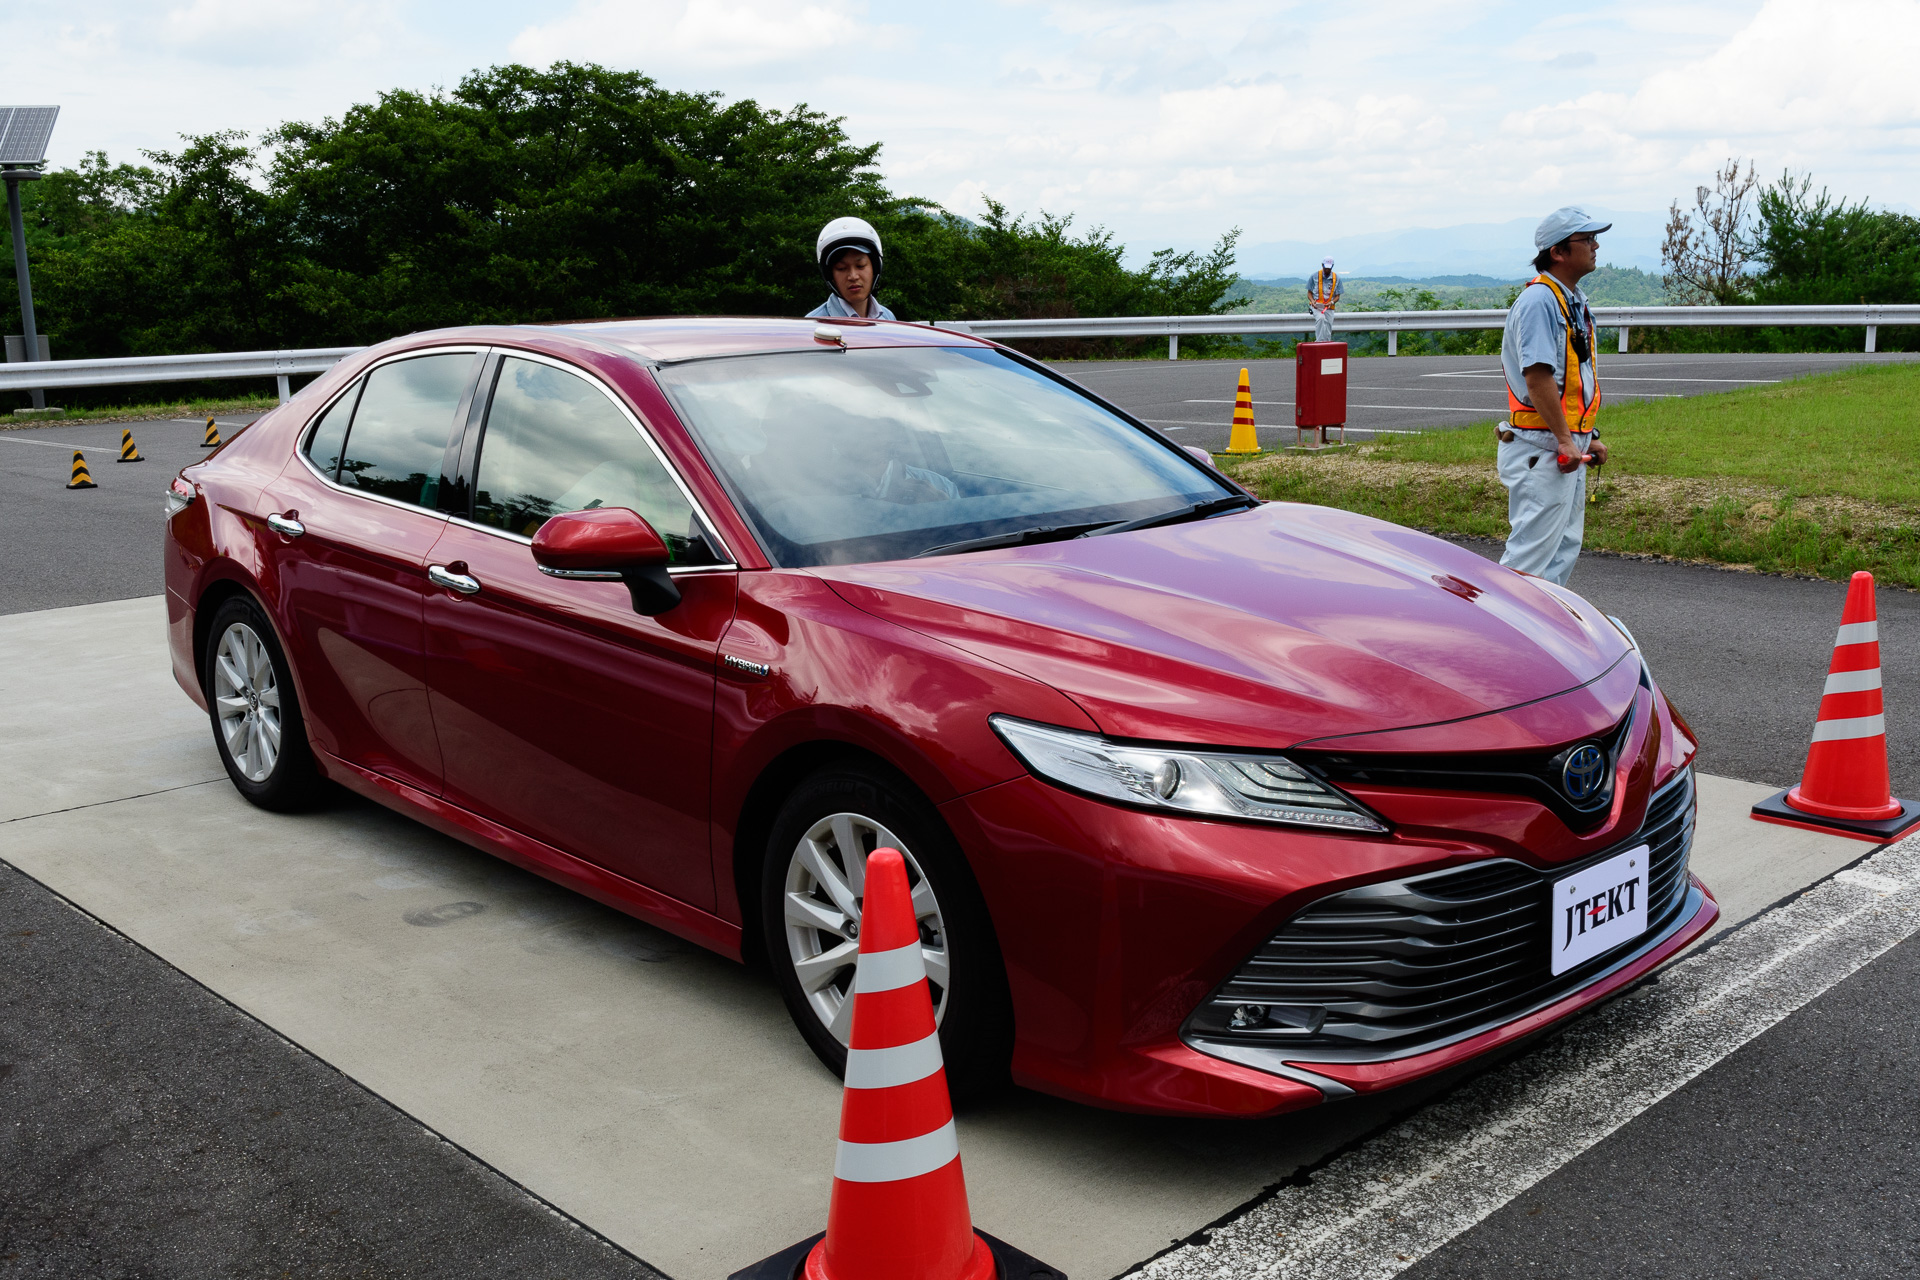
{"x": 653, "y": 1092}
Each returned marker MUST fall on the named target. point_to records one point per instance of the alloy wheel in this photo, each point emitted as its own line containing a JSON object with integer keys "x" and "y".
{"x": 246, "y": 697}
{"x": 825, "y": 883}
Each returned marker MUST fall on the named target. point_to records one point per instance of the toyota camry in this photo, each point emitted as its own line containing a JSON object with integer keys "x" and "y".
{"x": 1211, "y": 806}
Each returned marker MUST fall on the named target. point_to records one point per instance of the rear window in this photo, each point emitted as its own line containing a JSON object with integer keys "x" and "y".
{"x": 844, "y": 456}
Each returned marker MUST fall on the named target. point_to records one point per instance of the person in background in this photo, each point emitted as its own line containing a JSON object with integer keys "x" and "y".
{"x": 1553, "y": 400}
{"x": 849, "y": 253}
{"x": 1323, "y": 295}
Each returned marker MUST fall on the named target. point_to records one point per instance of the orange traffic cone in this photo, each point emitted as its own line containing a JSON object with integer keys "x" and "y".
{"x": 899, "y": 1208}
{"x": 1243, "y": 439}
{"x": 1845, "y": 787}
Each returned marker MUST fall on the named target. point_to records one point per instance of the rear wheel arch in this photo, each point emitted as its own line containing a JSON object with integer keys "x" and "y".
{"x": 216, "y": 593}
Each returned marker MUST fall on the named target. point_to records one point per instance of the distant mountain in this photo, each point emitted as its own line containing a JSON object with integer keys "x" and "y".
{"x": 1493, "y": 251}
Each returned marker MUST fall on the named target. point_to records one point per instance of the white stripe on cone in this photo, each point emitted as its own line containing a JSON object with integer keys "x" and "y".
{"x": 901, "y": 1064}
{"x": 889, "y": 970}
{"x": 1852, "y": 727}
{"x": 1852, "y": 681}
{"x": 1857, "y": 633}
{"x": 895, "y": 1161}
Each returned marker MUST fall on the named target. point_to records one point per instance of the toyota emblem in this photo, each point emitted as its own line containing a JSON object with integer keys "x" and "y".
{"x": 1585, "y": 769}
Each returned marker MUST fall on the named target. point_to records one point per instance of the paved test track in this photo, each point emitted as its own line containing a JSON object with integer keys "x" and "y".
{"x": 1742, "y": 654}
{"x": 1192, "y": 400}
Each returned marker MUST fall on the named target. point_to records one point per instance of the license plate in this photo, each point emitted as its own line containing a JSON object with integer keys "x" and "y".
{"x": 1597, "y": 909}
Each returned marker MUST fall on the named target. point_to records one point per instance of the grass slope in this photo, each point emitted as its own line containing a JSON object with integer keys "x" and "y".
{"x": 1814, "y": 476}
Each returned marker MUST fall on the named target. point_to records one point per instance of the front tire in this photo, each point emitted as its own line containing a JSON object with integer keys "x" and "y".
{"x": 257, "y": 725}
{"x": 811, "y": 894}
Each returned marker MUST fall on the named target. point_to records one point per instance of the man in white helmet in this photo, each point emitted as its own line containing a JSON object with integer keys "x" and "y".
{"x": 1323, "y": 295}
{"x": 849, "y": 255}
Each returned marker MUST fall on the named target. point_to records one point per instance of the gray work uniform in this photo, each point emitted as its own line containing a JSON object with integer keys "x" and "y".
{"x": 1546, "y": 507}
{"x": 1323, "y": 316}
{"x": 836, "y": 308}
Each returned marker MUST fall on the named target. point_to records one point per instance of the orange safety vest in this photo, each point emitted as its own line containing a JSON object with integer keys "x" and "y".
{"x": 1323, "y": 281}
{"x": 1580, "y": 415}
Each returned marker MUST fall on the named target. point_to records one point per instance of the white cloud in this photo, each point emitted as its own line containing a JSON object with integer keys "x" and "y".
{"x": 703, "y": 33}
{"x": 1289, "y": 119}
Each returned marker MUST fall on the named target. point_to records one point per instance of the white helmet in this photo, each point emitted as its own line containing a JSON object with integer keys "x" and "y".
{"x": 847, "y": 233}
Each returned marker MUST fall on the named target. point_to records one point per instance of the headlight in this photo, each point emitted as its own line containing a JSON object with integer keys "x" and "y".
{"x": 1266, "y": 788}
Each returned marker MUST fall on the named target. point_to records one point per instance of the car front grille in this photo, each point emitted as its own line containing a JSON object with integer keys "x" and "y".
{"x": 1391, "y": 969}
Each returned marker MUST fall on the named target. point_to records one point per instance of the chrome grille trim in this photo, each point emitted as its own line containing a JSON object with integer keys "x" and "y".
{"x": 1403, "y": 967}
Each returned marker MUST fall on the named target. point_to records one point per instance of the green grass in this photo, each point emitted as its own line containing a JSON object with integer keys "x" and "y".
{"x": 147, "y": 412}
{"x": 1854, "y": 434}
{"x": 1813, "y": 476}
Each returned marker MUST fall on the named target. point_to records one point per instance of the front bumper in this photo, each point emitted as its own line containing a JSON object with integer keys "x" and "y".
{"x": 1117, "y": 924}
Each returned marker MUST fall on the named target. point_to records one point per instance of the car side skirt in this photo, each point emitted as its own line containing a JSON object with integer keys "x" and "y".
{"x": 603, "y": 886}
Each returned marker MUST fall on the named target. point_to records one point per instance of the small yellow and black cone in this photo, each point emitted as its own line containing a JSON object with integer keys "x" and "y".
{"x": 81, "y": 478}
{"x": 1243, "y": 439}
{"x": 213, "y": 436}
{"x": 129, "y": 451}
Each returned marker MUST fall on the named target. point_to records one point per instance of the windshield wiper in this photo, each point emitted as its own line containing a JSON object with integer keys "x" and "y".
{"x": 1018, "y": 538}
{"x": 1198, "y": 511}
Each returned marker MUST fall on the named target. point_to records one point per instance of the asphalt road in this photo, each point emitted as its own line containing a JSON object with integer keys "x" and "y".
{"x": 150, "y": 1129}
{"x": 77, "y": 546}
{"x": 1193, "y": 399}
{"x": 1796, "y": 1156}
{"x": 164, "y": 1132}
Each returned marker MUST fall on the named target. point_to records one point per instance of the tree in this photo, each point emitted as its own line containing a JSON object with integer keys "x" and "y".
{"x": 1707, "y": 254}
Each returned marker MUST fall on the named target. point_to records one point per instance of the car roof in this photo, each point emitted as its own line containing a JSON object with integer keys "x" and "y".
{"x": 670, "y": 338}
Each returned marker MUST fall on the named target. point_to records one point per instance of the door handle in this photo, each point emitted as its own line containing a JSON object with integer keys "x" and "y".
{"x": 285, "y": 525}
{"x": 451, "y": 577}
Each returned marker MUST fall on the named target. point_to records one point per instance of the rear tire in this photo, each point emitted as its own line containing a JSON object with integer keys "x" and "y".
{"x": 806, "y": 886}
{"x": 257, "y": 725}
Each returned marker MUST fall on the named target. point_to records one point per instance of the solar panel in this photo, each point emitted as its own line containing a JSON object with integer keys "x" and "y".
{"x": 24, "y": 132}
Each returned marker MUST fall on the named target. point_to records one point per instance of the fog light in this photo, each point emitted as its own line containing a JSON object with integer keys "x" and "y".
{"x": 1248, "y": 1016}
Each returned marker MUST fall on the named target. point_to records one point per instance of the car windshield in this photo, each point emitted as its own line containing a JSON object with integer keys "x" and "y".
{"x": 841, "y": 457}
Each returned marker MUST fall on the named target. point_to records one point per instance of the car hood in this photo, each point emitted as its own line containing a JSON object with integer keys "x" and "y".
{"x": 1269, "y": 627}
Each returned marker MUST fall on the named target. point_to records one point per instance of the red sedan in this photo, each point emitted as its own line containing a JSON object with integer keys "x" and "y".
{"x": 1211, "y": 806}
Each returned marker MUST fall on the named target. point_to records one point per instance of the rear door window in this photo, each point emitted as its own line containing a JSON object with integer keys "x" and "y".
{"x": 398, "y": 440}
{"x": 555, "y": 442}
{"x": 330, "y": 433}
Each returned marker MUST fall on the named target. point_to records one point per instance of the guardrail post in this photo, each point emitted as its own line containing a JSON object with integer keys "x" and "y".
{"x": 1873, "y": 333}
{"x": 1393, "y": 342}
{"x": 1623, "y": 339}
{"x": 281, "y": 381}
{"x": 1173, "y": 346}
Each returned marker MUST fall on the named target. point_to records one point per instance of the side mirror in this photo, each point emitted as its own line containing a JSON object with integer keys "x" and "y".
{"x": 607, "y": 544}
{"x": 1201, "y": 456}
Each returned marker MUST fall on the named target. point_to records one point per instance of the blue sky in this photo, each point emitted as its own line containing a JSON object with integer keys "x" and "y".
{"x": 1166, "y": 123}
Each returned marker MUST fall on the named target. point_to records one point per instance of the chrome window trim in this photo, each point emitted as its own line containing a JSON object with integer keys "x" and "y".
{"x": 640, "y": 429}
{"x": 306, "y": 432}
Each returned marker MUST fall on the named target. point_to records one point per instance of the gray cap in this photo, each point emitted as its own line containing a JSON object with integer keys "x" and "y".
{"x": 1562, "y": 223}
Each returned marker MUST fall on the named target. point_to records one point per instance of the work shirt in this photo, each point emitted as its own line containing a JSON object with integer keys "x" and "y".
{"x": 836, "y": 308}
{"x": 1316, "y": 286}
{"x": 1536, "y": 334}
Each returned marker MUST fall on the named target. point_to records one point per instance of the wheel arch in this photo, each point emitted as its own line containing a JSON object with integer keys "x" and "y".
{"x": 761, "y": 806}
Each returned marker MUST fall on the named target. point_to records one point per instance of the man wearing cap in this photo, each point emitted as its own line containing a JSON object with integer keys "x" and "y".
{"x": 1323, "y": 295}
{"x": 1553, "y": 399}
{"x": 849, "y": 254}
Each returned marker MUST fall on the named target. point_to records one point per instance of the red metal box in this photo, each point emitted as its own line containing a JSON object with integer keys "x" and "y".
{"x": 1320, "y": 384}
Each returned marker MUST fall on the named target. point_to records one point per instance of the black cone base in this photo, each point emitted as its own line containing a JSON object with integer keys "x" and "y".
{"x": 1776, "y": 809}
{"x": 1009, "y": 1262}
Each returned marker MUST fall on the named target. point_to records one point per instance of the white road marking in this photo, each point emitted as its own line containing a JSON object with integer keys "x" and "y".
{"x": 1374, "y": 1211}
{"x": 56, "y": 444}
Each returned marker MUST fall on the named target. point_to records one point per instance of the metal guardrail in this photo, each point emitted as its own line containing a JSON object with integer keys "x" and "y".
{"x": 278, "y": 365}
{"x": 1394, "y": 323}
